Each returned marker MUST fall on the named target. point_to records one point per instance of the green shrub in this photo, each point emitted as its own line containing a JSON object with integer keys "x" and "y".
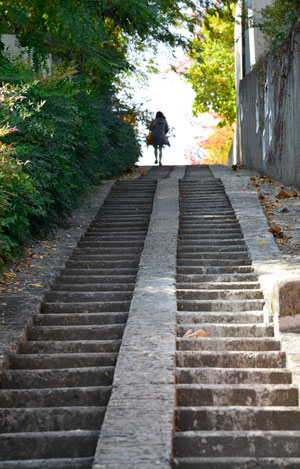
{"x": 278, "y": 19}
{"x": 65, "y": 140}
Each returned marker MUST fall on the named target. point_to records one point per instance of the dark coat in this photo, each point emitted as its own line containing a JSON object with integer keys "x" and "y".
{"x": 159, "y": 128}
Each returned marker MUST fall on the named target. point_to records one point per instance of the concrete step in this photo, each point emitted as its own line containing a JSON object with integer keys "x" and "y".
{"x": 215, "y": 279}
{"x": 229, "y": 330}
{"x": 125, "y": 216}
{"x": 187, "y": 230}
{"x": 85, "y": 307}
{"x": 235, "y": 463}
{"x": 79, "y": 319}
{"x": 110, "y": 273}
{"x": 229, "y": 344}
{"x": 111, "y": 247}
{"x": 237, "y": 395}
{"x": 220, "y": 305}
{"x": 95, "y": 257}
{"x": 234, "y": 418}
{"x": 117, "y": 233}
{"x": 71, "y": 333}
{"x": 232, "y": 376}
{"x": 211, "y": 239}
{"x": 230, "y": 359}
{"x": 51, "y": 445}
{"x": 212, "y": 261}
{"x": 113, "y": 236}
{"x": 61, "y": 360}
{"x": 211, "y": 224}
{"x": 95, "y": 280}
{"x": 216, "y": 286}
{"x": 104, "y": 264}
{"x": 55, "y": 397}
{"x": 199, "y": 294}
{"x": 211, "y": 246}
{"x": 245, "y": 444}
{"x": 216, "y": 271}
{"x": 60, "y": 378}
{"x": 87, "y": 297}
{"x": 51, "y": 419}
{"x": 191, "y": 317}
{"x": 185, "y": 256}
{"x": 57, "y": 463}
{"x": 129, "y": 246}
{"x": 121, "y": 224}
{"x": 218, "y": 211}
{"x": 65, "y": 346}
{"x": 94, "y": 287}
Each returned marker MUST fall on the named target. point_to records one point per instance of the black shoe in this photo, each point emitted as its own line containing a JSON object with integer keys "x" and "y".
{"x": 155, "y": 162}
{"x": 160, "y": 164}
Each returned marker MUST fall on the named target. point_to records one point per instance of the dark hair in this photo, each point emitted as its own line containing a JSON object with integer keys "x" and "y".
{"x": 159, "y": 114}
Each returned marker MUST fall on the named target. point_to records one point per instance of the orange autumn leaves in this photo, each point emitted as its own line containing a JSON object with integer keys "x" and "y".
{"x": 190, "y": 334}
{"x": 271, "y": 203}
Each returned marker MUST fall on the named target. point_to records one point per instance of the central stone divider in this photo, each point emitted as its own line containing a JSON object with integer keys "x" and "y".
{"x": 138, "y": 425}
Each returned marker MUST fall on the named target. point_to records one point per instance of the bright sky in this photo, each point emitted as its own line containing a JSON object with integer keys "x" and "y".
{"x": 171, "y": 94}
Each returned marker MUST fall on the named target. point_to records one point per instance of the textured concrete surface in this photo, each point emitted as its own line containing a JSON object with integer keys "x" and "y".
{"x": 21, "y": 298}
{"x": 138, "y": 424}
{"x": 263, "y": 250}
{"x": 274, "y": 272}
{"x": 268, "y": 110}
{"x": 137, "y": 429}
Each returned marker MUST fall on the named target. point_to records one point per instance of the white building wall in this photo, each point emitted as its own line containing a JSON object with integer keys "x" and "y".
{"x": 15, "y": 51}
{"x": 250, "y": 45}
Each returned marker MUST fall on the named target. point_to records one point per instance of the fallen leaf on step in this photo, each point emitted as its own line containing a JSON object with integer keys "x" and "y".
{"x": 262, "y": 243}
{"x": 283, "y": 195}
{"x": 200, "y": 333}
{"x": 8, "y": 275}
{"x": 143, "y": 173}
{"x": 190, "y": 331}
{"x": 275, "y": 229}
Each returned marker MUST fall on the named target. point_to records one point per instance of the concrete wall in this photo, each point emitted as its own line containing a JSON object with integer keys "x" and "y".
{"x": 15, "y": 51}
{"x": 268, "y": 137}
{"x": 250, "y": 47}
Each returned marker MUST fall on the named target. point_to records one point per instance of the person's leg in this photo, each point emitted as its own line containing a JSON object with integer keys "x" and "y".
{"x": 155, "y": 153}
{"x": 160, "y": 153}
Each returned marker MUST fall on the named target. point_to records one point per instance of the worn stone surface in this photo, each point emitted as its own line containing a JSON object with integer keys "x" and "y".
{"x": 22, "y": 293}
{"x": 138, "y": 425}
{"x": 21, "y": 296}
{"x": 273, "y": 266}
{"x": 263, "y": 250}
{"x": 285, "y": 302}
{"x": 137, "y": 429}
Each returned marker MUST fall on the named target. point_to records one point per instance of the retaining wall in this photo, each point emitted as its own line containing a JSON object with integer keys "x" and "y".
{"x": 268, "y": 115}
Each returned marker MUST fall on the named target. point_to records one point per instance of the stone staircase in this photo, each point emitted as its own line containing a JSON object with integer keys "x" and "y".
{"x": 54, "y": 395}
{"x": 236, "y": 407}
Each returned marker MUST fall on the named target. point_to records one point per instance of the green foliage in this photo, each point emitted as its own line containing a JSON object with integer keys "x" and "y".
{"x": 57, "y": 141}
{"x": 277, "y": 20}
{"x": 212, "y": 71}
{"x": 95, "y": 35}
{"x": 62, "y": 134}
